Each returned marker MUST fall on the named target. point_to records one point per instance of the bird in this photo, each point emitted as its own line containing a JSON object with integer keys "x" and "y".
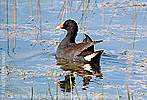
{"x": 68, "y": 49}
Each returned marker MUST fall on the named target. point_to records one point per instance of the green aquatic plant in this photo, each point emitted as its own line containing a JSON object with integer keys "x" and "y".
{"x": 49, "y": 86}
{"x": 133, "y": 23}
{"x": 102, "y": 89}
{"x": 56, "y": 91}
{"x": 46, "y": 94}
{"x": 32, "y": 92}
{"x": 128, "y": 92}
{"x": 135, "y": 26}
{"x": 65, "y": 93}
{"x": 117, "y": 92}
{"x": 86, "y": 96}
{"x": 77, "y": 94}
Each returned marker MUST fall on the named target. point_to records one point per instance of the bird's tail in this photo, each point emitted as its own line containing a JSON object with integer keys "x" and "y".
{"x": 94, "y": 57}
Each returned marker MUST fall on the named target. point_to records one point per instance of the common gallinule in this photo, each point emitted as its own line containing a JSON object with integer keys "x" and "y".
{"x": 68, "y": 49}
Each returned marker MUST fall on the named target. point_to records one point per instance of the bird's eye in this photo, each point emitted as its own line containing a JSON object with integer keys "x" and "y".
{"x": 66, "y": 23}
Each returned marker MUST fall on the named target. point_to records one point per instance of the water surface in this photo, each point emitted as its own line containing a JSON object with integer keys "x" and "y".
{"x": 28, "y": 49}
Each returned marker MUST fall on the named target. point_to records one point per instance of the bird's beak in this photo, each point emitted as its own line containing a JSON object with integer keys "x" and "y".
{"x": 60, "y": 26}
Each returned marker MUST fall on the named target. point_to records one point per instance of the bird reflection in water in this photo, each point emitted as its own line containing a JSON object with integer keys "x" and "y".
{"x": 84, "y": 70}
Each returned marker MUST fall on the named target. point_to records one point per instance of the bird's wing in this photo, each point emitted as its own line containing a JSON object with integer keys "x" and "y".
{"x": 90, "y": 49}
{"x": 87, "y": 39}
{"x": 76, "y": 49}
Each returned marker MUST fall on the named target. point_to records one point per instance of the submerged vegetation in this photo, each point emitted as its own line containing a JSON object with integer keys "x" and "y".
{"x": 28, "y": 41}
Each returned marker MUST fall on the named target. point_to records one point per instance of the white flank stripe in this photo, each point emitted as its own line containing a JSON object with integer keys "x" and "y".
{"x": 89, "y": 57}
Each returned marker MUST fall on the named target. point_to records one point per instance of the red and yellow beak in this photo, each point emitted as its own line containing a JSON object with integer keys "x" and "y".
{"x": 60, "y": 26}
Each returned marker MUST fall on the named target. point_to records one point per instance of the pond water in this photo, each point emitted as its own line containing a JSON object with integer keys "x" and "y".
{"x": 28, "y": 42}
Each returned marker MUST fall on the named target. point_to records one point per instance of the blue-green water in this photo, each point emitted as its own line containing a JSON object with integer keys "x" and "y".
{"x": 27, "y": 53}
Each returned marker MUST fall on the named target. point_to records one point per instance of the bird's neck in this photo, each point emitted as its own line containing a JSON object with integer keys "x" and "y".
{"x": 69, "y": 38}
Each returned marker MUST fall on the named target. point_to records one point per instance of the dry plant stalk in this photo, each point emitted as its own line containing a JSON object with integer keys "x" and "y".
{"x": 36, "y": 27}
{"x": 14, "y": 26}
{"x": 85, "y": 20}
{"x": 31, "y": 9}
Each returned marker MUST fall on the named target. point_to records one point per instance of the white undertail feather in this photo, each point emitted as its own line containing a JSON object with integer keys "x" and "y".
{"x": 88, "y": 67}
{"x": 89, "y": 57}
